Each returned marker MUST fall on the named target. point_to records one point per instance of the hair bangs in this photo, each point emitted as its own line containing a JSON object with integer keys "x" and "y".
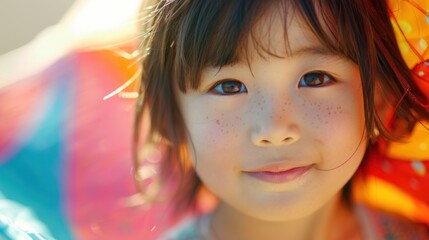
{"x": 219, "y": 33}
{"x": 215, "y": 33}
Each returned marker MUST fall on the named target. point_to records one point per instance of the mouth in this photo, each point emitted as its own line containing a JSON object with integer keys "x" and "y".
{"x": 276, "y": 175}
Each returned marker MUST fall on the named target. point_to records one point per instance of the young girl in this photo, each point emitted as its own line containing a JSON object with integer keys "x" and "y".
{"x": 272, "y": 107}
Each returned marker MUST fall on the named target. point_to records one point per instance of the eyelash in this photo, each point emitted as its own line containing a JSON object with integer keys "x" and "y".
{"x": 319, "y": 78}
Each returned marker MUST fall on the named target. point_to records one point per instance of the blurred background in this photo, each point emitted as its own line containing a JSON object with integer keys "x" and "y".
{"x": 21, "y": 21}
{"x": 68, "y": 73}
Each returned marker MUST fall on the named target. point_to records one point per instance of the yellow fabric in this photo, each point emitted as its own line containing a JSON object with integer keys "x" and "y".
{"x": 412, "y": 19}
{"x": 387, "y": 197}
{"x": 416, "y": 147}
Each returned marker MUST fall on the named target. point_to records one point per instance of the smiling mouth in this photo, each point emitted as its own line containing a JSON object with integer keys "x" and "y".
{"x": 280, "y": 176}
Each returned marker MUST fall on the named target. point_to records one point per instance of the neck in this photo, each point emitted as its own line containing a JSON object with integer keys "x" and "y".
{"x": 333, "y": 221}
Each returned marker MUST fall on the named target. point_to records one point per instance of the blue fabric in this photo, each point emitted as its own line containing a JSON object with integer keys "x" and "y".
{"x": 33, "y": 175}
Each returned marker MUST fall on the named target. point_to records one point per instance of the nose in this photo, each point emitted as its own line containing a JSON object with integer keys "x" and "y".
{"x": 275, "y": 127}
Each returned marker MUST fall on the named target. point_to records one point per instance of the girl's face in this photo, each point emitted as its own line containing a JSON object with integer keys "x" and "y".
{"x": 264, "y": 133}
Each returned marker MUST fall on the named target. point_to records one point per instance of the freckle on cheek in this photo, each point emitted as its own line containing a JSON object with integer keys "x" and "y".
{"x": 217, "y": 122}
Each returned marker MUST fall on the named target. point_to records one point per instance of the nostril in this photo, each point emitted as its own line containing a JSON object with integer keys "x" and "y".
{"x": 275, "y": 136}
{"x": 285, "y": 140}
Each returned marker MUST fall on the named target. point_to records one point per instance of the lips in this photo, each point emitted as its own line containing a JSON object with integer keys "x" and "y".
{"x": 277, "y": 174}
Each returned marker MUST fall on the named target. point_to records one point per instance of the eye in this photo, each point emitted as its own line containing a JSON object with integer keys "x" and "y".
{"x": 228, "y": 87}
{"x": 316, "y": 79}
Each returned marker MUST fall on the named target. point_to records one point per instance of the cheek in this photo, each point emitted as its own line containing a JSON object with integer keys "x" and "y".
{"x": 323, "y": 115}
{"x": 215, "y": 131}
{"x": 342, "y": 114}
{"x": 214, "y": 134}
{"x": 216, "y": 147}
{"x": 220, "y": 128}
{"x": 338, "y": 130}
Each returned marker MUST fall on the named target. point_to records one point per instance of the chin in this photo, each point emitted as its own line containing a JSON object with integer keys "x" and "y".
{"x": 283, "y": 211}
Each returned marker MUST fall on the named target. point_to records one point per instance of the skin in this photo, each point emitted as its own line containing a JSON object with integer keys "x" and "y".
{"x": 274, "y": 120}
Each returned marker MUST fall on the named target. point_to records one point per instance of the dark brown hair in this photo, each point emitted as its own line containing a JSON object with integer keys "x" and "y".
{"x": 181, "y": 37}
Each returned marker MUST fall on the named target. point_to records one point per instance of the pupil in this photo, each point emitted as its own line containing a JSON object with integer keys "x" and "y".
{"x": 230, "y": 87}
{"x": 314, "y": 79}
